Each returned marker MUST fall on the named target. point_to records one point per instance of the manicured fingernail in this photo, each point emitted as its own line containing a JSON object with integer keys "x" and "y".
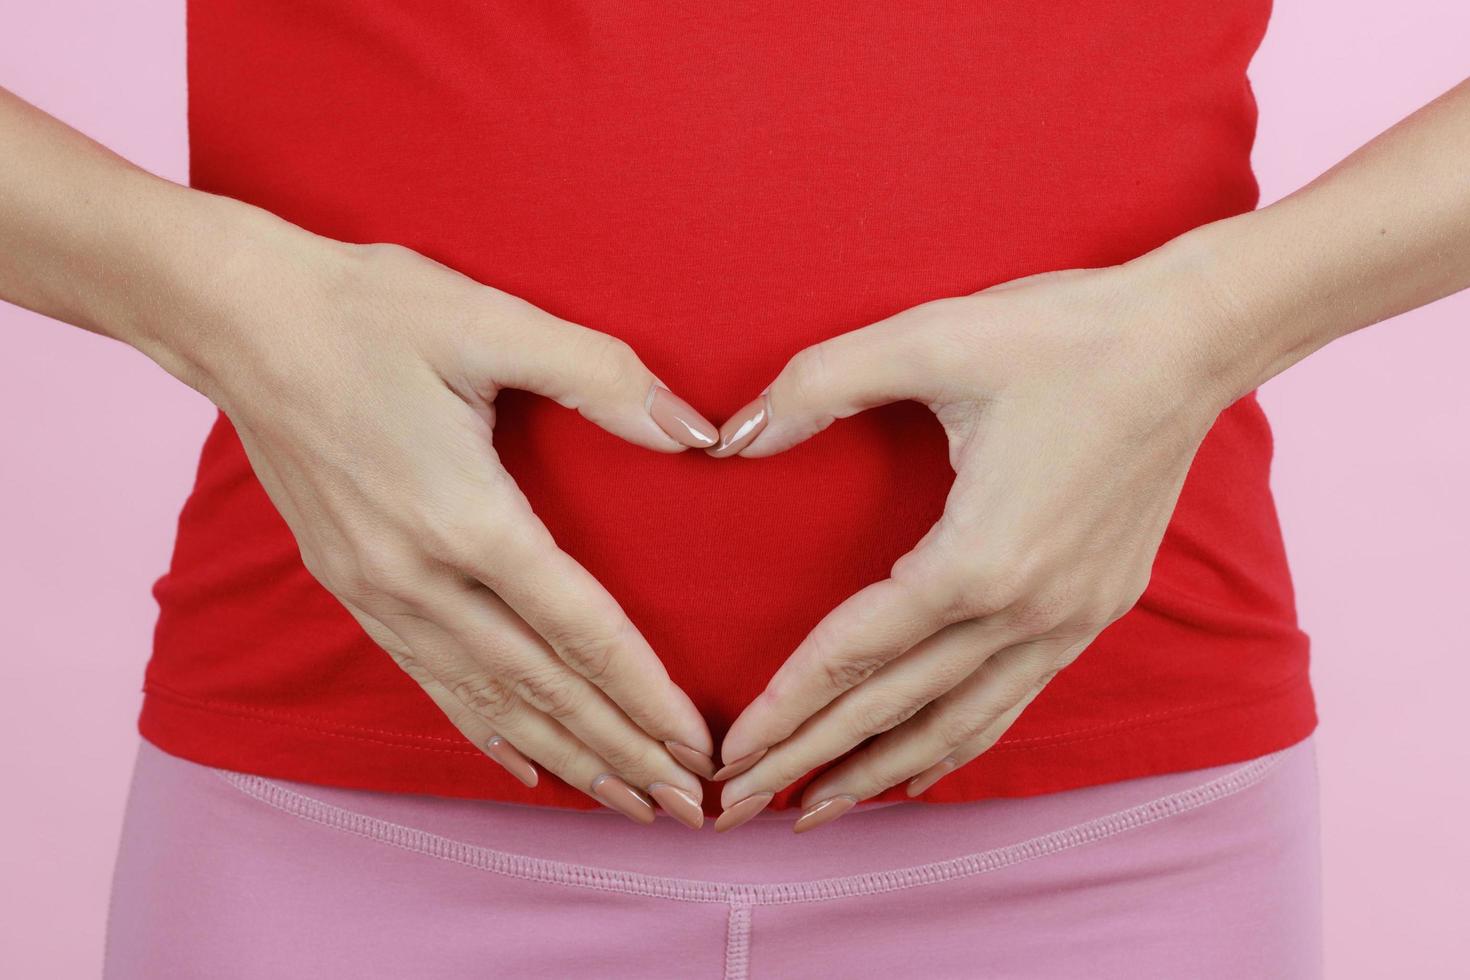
{"x": 740, "y": 812}
{"x": 678, "y": 803}
{"x": 623, "y": 798}
{"x": 741, "y": 428}
{"x": 692, "y": 759}
{"x": 739, "y": 765}
{"x": 516, "y": 764}
{"x": 932, "y": 775}
{"x": 824, "y": 812}
{"x": 680, "y": 421}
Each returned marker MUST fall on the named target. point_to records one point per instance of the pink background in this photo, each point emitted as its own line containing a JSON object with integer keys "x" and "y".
{"x": 97, "y": 449}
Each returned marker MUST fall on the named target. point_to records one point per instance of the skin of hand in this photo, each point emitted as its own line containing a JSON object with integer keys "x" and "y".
{"x": 1073, "y": 402}
{"x": 364, "y": 393}
{"x": 362, "y": 382}
{"x": 1072, "y": 411}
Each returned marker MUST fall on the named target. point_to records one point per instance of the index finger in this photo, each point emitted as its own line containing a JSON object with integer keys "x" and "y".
{"x": 867, "y": 630}
{"x": 584, "y": 625}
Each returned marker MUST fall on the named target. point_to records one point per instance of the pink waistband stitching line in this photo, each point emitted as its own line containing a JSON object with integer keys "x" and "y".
{"x": 737, "y": 940}
{"x": 692, "y": 890}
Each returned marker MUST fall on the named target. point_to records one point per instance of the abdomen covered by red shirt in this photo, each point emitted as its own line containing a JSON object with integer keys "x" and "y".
{"x": 722, "y": 185}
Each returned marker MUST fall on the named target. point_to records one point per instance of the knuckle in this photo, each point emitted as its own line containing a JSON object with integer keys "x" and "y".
{"x": 909, "y": 569}
{"x": 550, "y": 692}
{"x": 1091, "y": 622}
{"x": 407, "y": 663}
{"x": 491, "y": 554}
{"x": 1046, "y": 677}
{"x": 808, "y": 372}
{"x": 445, "y": 538}
{"x": 932, "y": 588}
{"x": 488, "y": 563}
{"x": 1039, "y": 613}
{"x": 610, "y": 360}
{"x": 591, "y": 654}
{"x": 345, "y": 579}
{"x": 386, "y": 250}
{"x": 841, "y": 673}
{"x": 871, "y": 772}
{"x": 486, "y": 696}
{"x": 1069, "y": 656}
{"x": 988, "y": 595}
{"x": 961, "y": 729}
{"x": 776, "y": 706}
{"x": 336, "y": 572}
{"x": 950, "y": 330}
{"x": 881, "y": 714}
{"x": 624, "y": 758}
{"x": 378, "y": 258}
{"x": 378, "y": 568}
{"x": 983, "y": 741}
{"x": 992, "y": 584}
{"x": 564, "y": 758}
{"x": 950, "y": 673}
{"x": 953, "y": 603}
{"x": 1010, "y": 687}
{"x": 1093, "y": 616}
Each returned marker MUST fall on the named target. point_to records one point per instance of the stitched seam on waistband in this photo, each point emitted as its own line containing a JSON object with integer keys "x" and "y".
{"x": 737, "y": 939}
{"x": 691, "y": 890}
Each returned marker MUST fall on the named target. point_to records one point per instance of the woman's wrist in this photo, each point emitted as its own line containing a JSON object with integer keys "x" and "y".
{"x": 1382, "y": 232}
{"x": 1230, "y": 329}
{"x": 182, "y": 275}
{"x": 195, "y": 301}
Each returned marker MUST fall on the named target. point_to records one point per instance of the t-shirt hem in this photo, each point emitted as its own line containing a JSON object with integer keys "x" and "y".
{"x": 281, "y": 745}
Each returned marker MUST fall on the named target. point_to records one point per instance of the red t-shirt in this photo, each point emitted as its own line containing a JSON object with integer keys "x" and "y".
{"x": 722, "y": 185}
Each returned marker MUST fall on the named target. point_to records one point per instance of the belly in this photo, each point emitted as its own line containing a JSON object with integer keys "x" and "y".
{"x": 722, "y": 188}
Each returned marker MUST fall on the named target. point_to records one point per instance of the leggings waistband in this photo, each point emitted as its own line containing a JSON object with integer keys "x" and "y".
{"x": 895, "y": 847}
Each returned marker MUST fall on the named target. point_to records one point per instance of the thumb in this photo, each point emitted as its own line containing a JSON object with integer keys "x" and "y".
{"x": 888, "y": 361}
{"x": 601, "y": 377}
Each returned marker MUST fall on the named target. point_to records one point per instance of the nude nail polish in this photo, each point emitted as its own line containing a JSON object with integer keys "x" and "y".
{"x": 623, "y": 798}
{"x": 739, "y": 765}
{"x": 516, "y": 764}
{"x": 743, "y": 810}
{"x": 741, "y": 428}
{"x": 678, "y": 803}
{"x": 931, "y": 775}
{"x": 824, "y": 812}
{"x": 692, "y": 759}
{"x": 680, "y": 421}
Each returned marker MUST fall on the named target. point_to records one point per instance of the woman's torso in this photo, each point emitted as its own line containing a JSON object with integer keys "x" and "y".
{"x": 722, "y": 185}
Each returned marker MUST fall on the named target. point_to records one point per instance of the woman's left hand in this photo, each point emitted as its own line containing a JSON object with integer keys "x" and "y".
{"x": 1073, "y": 403}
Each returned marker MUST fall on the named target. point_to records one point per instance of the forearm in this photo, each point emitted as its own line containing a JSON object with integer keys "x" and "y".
{"x": 95, "y": 241}
{"x": 1384, "y": 231}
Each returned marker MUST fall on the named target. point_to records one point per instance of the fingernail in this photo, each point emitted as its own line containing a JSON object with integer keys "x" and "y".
{"x": 739, "y": 765}
{"x": 824, "y": 812}
{"x": 623, "y": 798}
{"x": 680, "y": 421}
{"x": 740, "y": 812}
{"x": 932, "y": 775}
{"x": 692, "y": 759}
{"x": 679, "y": 804}
{"x": 516, "y": 764}
{"x": 742, "y": 427}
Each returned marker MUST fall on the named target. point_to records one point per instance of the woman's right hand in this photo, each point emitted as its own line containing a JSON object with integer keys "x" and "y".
{"x": 362, "y": 381}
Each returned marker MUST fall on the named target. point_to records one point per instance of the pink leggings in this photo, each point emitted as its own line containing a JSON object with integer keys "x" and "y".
{"x": 1205, "y": 874}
